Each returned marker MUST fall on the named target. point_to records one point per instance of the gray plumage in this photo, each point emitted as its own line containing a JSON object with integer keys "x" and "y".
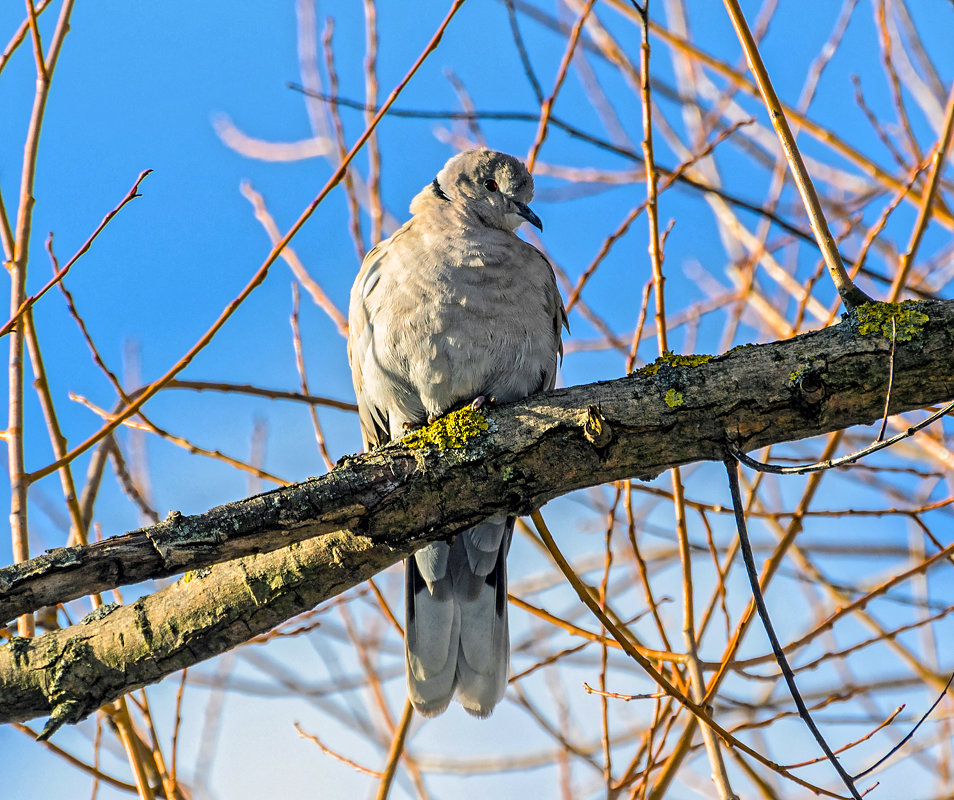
{"x": 454, "y": 306}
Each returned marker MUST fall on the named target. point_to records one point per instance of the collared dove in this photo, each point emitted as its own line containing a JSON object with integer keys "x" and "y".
{"x": 452, "y": 309}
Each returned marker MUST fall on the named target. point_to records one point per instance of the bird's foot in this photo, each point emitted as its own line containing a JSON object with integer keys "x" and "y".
{"x": 475, "y": 405}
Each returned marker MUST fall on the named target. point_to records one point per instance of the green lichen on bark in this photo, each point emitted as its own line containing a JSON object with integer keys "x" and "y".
{"x": 20, "y": 647}
{"x": 674, "y": 398}
{"x": 673, "y": 360}
{"x": 908, "y": 320}
{"x": 99, "y": 613}
{"x": 739, "y": 347}
{"x": 453, "y": 430}
{"x": 196, "y": 574}
{"x": 69, "y": 675}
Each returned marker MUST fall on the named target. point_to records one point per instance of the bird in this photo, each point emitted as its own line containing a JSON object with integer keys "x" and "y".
{"x": 455, "y": 309}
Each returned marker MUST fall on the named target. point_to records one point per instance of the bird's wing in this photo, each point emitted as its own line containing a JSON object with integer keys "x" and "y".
{"x": 375, "y": 427}
{"x": 557, "y": 312}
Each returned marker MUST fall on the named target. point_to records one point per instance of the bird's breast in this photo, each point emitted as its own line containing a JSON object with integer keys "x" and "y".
{"x": 471, "y": 329}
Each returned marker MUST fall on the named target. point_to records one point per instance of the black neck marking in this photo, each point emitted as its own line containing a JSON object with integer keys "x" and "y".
{"x": 436, "y": 187}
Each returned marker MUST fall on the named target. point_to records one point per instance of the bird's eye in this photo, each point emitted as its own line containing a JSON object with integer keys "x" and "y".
{"x": 491, "y": 186}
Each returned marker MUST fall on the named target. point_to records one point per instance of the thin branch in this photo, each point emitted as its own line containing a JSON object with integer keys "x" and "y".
{"x": 371, "y": 96}
{"x": 19, "y": 478}
{"x": 303, "y": 378}
{"x": 337, "y": 756}
{"x": 394, "y": 753}
{"x": 652, "y": 210}
{"x": 546, "y": 109}
{"x": 887, "y": 396}
{"x": 910, "y": 733}
{"x": 37, "y": 43}
{"x": 109, "y": 780}
{"x": 257, "y": 391}
{"x": 850, "y": 294}
{"x": 732, "y": 469}
{"x": 348, "y": 182}
{"x": 64, "y": 270}
{"x": 928, "y": 198}
{"x": 119, "y": 713}
{"x": 557, "y": 122}
{"x": 883, "y": 724}
{"x": 318, "y": 295}
{"x": 851, "y": 458}
{"x": 522, "y": 50}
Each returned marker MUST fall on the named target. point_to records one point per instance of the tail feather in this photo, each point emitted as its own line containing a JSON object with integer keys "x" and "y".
{"x": 457, "y": 635}
{"x": 482, "y": 543}
{"x": 432, "y": 625}
{"x": 432, "y": 561}
{"x": 483, "y": 659}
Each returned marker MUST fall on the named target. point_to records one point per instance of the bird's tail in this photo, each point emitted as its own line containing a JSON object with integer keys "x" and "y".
{"x": 456, "y": 632}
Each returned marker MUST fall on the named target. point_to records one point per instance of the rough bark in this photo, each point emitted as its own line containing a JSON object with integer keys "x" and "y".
{"x": 316, "y": 539}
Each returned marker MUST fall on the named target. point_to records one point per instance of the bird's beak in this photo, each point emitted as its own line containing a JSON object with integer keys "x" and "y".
{"x": 524, "y": 211}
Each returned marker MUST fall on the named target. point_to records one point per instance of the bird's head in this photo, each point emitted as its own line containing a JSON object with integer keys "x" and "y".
{"x": 497, "y": 188}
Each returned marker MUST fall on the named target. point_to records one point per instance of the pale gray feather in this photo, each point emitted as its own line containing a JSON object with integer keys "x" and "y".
{"x": 452, "y": 307}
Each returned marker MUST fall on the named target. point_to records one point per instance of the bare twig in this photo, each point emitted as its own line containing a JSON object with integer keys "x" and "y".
{"x": 887, "y": 396}
{"x": 546, "y": 109}
{"x": 337, "y": 756}
{"x": 64, "y": 270}
{"x": 394, "y": 754}
{"x": 851, "y": 458}
{"x": 909, "y": 734}
{"x": 732, "y": 470}
{"x": 76, "y": 762}
{"x": 850, "y": 294}
{"x": 19, "y": 478}
{"x": 290, "y": 257}
{"x": 928, "y": 198}
{"x": 303, "y": 377}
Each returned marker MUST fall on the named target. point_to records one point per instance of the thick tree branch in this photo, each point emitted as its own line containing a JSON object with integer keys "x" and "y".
{"x": 373, "y": 510}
